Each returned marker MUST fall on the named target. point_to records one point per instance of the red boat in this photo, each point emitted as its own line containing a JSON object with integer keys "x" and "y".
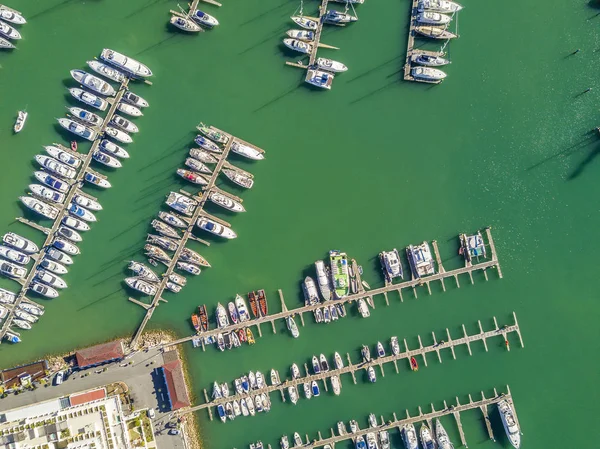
{"x": 196, "y": 322}
{"x": 74, "y": 145}
{"x": 253, "y": 304}
{"x": 262, "y": 303}
{"x": 242, "y": 335}
{"x": 203, "y": 317}
{"x": 413, "y": 364}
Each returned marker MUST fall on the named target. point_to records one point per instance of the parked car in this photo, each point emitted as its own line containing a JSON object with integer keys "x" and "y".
{"x": 173, "y": 432}
{"x": 58, "y": 379}
{"x": 151, "y": 413}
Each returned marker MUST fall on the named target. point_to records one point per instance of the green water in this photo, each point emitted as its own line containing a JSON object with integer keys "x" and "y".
{"x": 375, "y": 163}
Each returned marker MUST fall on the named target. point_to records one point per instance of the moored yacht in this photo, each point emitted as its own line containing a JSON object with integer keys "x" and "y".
{"x": 7, "y": 31}
{"x": 323, "y": 280}
{"x": 93, "y": 82}
{"x": 86, "y": 116}
{"x": 124, "y": 124}
{"x": 409, "y": 436}
{"x": 46, "y": 193}
{"x": 58, "y": 256}
{"x": 89, "y": 98}
{"x": 298, "y": 45}
{"x": 105, "y": 159}
{"x": 443, "y": 6}
{"x": 427, "y": 440}
{"x": 112, "y": 148}
{"x": 305, "y": 22}
{"x": 226, "y": 201}
{"x": 129, "y": 109}
{"x": 339, "y": 273}
{"x": 62, "y": 156}
{"x": 433, "y": 18}
{"x": 292, "y": 327}
{"x": 442, "y": 436}
{"x": 185, "y": 24}
{"x": 428, "y": 74}
{"x": 77, "y": 128}
{"x": 135, "y": 100}
{"x": 247, "y": 151}
{"x": 391, "y": 265}
{"x": 509, "y": 422}
{"x": 117, "y": 134}
{"x": 319, "y": 78}
{"x": 39, "y": 207}
{"x": 221, "y": 315}
{"x": 204, "y": 19}
{"x": 330, "y": 65}
{"x": 43, "y": 290}
{"x": 50, "y": 279}
{"x": 181, "y": 203}
{"x": 434, "y": 32}
{"x": 428, "y": 60}
{"x": 55, "y": 167}
{"x": 197, "y": 166}
{"x": 12, "y": 270}
{"x": 51, "y": 181}
{"x": 333, "y": 16}
{"x": 125, "y": 63}
{"x": 12, "y": 16}
{"x": 240, "y": 178}
{"x": 107, "y": 71}
{"x": 142, "y": 286}
{"x": 14, "y": 255}
{"x": 311, "y": 297}
{"x": 53, "y": 266}
{"x": 242, "y": 309}
{"x": 421, "y": 260}
{"x": 6, "y": 44}
{"x": 215, "y": 228}
{"x": 302, "y": 35}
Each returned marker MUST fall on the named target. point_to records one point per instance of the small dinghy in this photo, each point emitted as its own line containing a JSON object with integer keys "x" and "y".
{"x": 12, "y": 17}
{"x": 62, "y": 156}
{"x": 143, "y": 271}
{"x": 53, "y": 266}
{"x": 129, "y": 109}
{"x": 89, "y": 98}
{"x": 215, "y": 228}
{"x": 207, "y": 144}
{"x": 43, "y": 290}
{"x": 185, "y": 24}
{"x": 6, "y": 44}
{"x": 55, "y": 167}
{"x": 50, "y": 181}
{"x": 39, "y": 207}
{"x": 164, "y": 229}
{"x": 86, "y": 116}
{"x": 97, "y": 181}
{"x": 192, "y": 177}
{"x": 197, "y": 166}
{"x": 204, "y": 19}
{"x": 427, "y": 73}
{"x": 331, "y": 65}
{"x": 124, "y": 124}
{"x": 109, "y": 147}
{"x": 81, "y": 212}
{"x": 125, "y": 63}
{"x": 135, "y": 100}
{"x": 93, "y": 82}
{"x": 319, "y": 78}
{"x": 427, "y": 60}
{"x": 46, "y": 193}
{"x": 433, "y": 18}
{"x": 142, "y": 286}
{"x": 7, "y": 31}
{"x": 226, "y": 202}
{"x": 21, "y": 119}
{"x": 20, "y": 243}
{"x": 203, "y": 156}
{"x": 189, "y": 267}
{"x": 247, "y": 151}
{"x": 333, "y": 16}
{"x": 117, "y": 134}
{"x": 75, "y": 223}
{"x": 86, "y": 202}
{"x": 107, "y": 71}
{"x": 58, "y": 256}
{"x": 14, "y": 255}
{"x": 298, "y": 45}
{"x": 305, "y": 22}
{"x": 105, "y": 159}
{"x": 302, "y": 35}
{"x": 77, "y": 128}
{"x": 241, "y": 179}
{"x": 172, "y": 219}
{"x": 435, "y": 32}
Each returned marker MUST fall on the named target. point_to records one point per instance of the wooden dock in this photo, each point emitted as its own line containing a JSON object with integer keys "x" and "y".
{"x": 422, "y": 351}
{"x": 409, "y": 284}
{"x": 199, "y": 211}
{"x": 75, "y": 186}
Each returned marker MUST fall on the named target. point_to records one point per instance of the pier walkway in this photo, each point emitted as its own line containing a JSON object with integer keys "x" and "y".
{"x": 187, "y": 233}
{"x": 410, "y": 284}
{"x": 76, "y": 184}
{"x": 351, "y": 368}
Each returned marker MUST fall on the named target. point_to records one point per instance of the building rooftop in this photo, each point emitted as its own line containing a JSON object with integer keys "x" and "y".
{"x": 176, "y": 388}
{"x": 100, "y": 353}
{"x": 36, "y": 370}
{"x": 82, "y": 398}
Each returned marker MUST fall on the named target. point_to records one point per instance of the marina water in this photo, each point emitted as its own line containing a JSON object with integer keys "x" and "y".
{"x": 373, "y": 164}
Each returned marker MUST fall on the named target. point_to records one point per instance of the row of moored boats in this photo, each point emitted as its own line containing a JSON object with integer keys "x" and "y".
{"x": 9, "y": 20}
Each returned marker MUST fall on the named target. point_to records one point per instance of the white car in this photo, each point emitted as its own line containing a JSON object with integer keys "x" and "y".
{"x": 58, "y": 378}
{"x": 151, "y": 413}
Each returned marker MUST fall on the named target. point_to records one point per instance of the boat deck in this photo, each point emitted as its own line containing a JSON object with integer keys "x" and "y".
{"x": 50, "y": 232}
{"x": 352, "y": 368}
{"x": 187, "y": 232}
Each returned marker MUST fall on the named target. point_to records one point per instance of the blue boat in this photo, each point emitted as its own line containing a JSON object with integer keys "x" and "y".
{"x": 315, "y": 388}
{"x": 204, "y": 19}
{"x": 360, "y": 442}
{"x": 221, "y": 412}
{"x": 245, "y": 384}
{"x": 11, "y": 338}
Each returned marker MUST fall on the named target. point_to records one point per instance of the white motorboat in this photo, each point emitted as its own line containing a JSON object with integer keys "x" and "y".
{"x": 96, "y": 180}
{"x": 356, "y": 2}
{"x": 339, "y": 362}
{"x": 55, "y": 167}
{"x": 427, "y": 73}
{"x": 371, "y": 374}
{"x": 275, "y": 380}
{"x": 181, "y": 203}
{"x": 333, "y": 16}
{"x": 124, "y": 124}
{"x": 427, "y": 60}
{"x": 53, "y": 266}
{"x": 93, "y": 82}
{"x": 226, "y": 202}
{"x": 427, "y": 440}
{"x": 14, "y": 255}
{"x": 391, "y": 265}
{"x": 442, "y": 436}
{"x": 143, "y": 271}
{"x": 172, "y": 219}
{"x": 215, "y": 228}
{"x": 75, "y": 223}
{"x": 189, "y": 267}
{"x": 77, "y": 128}
{"x": 117, "y": 134}
{"x": 164, "y": 229}
{"x": 221, "y": 316}
{"x": 109, "y": 147}
{"x": 50, "y": 181}
{"x": 509, "y": 422}
{"x": 20, "y": 243}
{"x": 106, "y": 71}
{"x": 43, "y": 289}
{"x": 433, "y": 18}
{"x": 135, "y": 99}
{"x": 7, "y": 31}
{"x": 409, "y": 436}
{"x": 292, "y": 326}
{"x": 69, "y": 233}
{"x": 105, "y": 159}
{"x": 302, "y": 35}
{"x": 39, "y": 207}
{"x": 22, "y": 324}
{"x": 197, "y": 166}
{"x": 203, "y": 156}
{"x": 307, "y": 390}
{"x": 12, "y": 16}
{"x": 31, "y": 308}
{"x": 7, "y": 297}
{"x": 330, "y": 65}
{"x": 65, "y": 246}
{"x": 81, "y": 212}
{"x": 49, "y": 279}
{"x": 204, "y": 19}
{"x": 434, "y": 32}
{"x": 21, "y": 314}
{"x": 62, "y": 156}
{"x": 89, "y": 98}
{"x": 323, "y": 280}
{"x": 305, "y": 22}
{"x": 240, "y": 178}
{"x": 6, "y": 44}
{"x": 319, "y": 78}
{"x": 193, "y": 177}
{"x": 311, "y": 296}
{"x": 125, "y": 63}
{"x": 21, "y": 117}
{"x": 86, "y": 116}
{"x": 242, "y": 308}
{"x": 185, "y": 24}
{"x": 293, "y": 394}
{"x": 11, "y": 270}
{"x": 142, "y": 286}
{"x": 46, "y": 193}
{"x": 443, "y": 6}
{"x": 58, "y": 256}
{"x": 363, "y": 308}
{"x": 86, "y": 202}
{"x": 246, "y": 151}
{"x": 336, "y": 384}
{"x": 395, "y": 346}
{"x": 129, "y": 109}
{"x": 297, "y": 45}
